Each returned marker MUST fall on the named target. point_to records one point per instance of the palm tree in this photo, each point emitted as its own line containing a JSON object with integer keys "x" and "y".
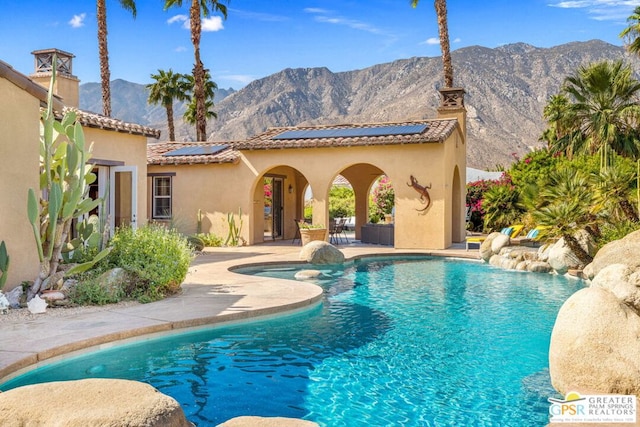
{"x": 209, "y": 91}
{"x": 169, "y": 86}
{"x": 602, "y": 113}
{"x": 103, "y": 52}
{"x": 567, "y": 207}
{"x": 613, "y": 188}
{"x": 198, "y": 7}
{"x": 632, "y": 32}
{"x": 443, "y": 31}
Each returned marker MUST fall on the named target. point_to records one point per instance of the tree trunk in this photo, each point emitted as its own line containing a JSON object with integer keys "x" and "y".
{"x": 628, "y": 210}
{"x": 575, "y": 247}
{"x": 172, "y": 132}
{"x": 105, "y": 75}
{"x": 198, "y": 73}
{"x": 443, "y": 30}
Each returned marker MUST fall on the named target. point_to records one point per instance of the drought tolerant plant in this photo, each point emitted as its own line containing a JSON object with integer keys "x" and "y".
{"x": 157, "y": 256}
{"x": 4, "y": 264}
{"x": 234, "y": 238}
{"x": 64, "y": 183}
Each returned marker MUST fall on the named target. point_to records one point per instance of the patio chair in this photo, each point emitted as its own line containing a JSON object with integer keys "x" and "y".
{"x": 336, "y": 231}
{"x": 297, "y": 235}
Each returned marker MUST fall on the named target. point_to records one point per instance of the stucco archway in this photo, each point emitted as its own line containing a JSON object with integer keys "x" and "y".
{"x": 287, "y": 204}
{"x": 457, "y": 199}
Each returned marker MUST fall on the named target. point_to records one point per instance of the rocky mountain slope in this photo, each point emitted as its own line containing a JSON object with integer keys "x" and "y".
{"x": 507, "y": 88}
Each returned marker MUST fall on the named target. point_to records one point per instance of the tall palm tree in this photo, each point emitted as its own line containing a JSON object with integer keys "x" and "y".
{"x": 198, "y": 9}
{"x": 443, "y": 31}
{"x": 632, "y": 32}
{"x": 103, "y": 52}
{"x": 209, "y": 91}
{"x": 602, "y": 113}
{"x": 168, "y": 86}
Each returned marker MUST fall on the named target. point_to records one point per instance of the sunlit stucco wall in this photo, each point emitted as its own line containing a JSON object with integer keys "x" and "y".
{"x": 19, "y": 151}
{"x": 119, "y": 147}
{"x": 219, "y": 189}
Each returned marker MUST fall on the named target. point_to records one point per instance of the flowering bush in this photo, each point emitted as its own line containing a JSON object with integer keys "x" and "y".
{"x": 475, "y": 198}
{"x": 382, "y": 199}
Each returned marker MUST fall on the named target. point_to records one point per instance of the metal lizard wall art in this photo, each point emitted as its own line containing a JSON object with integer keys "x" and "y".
{"x": 424, "y": 194}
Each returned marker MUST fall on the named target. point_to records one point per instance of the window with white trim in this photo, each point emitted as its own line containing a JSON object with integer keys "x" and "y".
{"x": 161, "y": 197}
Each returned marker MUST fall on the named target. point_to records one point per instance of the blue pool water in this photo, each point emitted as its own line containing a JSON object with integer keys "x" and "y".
{"x": 396, "y": 342}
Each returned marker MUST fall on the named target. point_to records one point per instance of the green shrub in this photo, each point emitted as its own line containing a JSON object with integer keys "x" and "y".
{"x": 158, "y": 256}
{"x": 89, "y": 292}
{"x": 615, "y": 231}
{"x": 209, "y": 240}
{"x": 341, "y": 202}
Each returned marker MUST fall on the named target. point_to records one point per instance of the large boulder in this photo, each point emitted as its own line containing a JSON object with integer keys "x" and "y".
{"x": 624, "y": 251}
{"x": 622, "y": 281}
{"x": 486, "y": 247}
{"x": 595, "y": 346}
{"x": 321, "y": 252}
{"x": 247, "y": 421}
{"x": 90, "y": 402}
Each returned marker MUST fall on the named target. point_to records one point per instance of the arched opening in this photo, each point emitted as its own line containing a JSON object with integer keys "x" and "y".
{"x": 278, "y": 202}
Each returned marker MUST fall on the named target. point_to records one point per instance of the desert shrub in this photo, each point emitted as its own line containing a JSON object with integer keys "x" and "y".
{"x": 159, "y": 257}
{"x": 89, "y": 292}
{"x": 210, "y": 240}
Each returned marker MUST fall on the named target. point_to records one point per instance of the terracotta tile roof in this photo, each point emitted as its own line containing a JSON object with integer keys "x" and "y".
{"x": 437, "y": 131}
{"x": 102, "y": 122}
{"x": 156, "y": 151}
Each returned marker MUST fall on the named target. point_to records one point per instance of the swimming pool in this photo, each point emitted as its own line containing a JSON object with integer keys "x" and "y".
{"x": 396, "y": 342}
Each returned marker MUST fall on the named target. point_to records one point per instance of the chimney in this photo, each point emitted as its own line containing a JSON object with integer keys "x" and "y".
{"x": 67, "y": 86}
{"x": 452, "y": 106}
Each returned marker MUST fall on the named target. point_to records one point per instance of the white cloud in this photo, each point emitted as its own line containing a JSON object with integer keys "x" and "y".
{"x": 78, "y": 20}
{"x": 180, "y": 49}
{"x": 177, "y": 18}
{"x": 601, "y": 10}
{"x": 432, "y": 40}
{"x": 213, "y": 23}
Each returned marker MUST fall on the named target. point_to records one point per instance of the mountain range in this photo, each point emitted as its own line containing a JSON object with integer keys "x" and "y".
{"x": 506, "y": 88}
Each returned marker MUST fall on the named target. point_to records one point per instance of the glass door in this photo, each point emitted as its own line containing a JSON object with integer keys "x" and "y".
{"x": 123, "y": 197}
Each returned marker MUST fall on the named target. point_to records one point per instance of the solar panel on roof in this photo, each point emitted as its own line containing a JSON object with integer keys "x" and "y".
{"x": 352, "y": 132}
{"x": 198, "y": 150}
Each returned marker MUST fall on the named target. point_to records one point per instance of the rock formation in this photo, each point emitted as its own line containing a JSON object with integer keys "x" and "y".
{"x": 90, "y": 402}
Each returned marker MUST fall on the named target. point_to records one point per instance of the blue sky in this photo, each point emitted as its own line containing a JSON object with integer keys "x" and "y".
{"x": 261, "y": 37}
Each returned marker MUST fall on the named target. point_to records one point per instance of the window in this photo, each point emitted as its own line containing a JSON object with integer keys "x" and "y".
{"x": 161, "y": 197}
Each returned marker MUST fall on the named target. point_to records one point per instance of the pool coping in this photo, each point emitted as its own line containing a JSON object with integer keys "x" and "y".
{"x": 212, "y": 294}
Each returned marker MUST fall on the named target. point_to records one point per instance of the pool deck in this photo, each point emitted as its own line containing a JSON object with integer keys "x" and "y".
{"x": 211, "y": 295}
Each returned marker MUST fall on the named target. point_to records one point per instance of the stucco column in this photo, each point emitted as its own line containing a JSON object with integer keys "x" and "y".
{"x": 361, "y": 192}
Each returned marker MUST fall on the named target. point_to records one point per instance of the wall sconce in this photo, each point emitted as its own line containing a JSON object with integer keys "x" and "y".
{"x": 290, "y": 189}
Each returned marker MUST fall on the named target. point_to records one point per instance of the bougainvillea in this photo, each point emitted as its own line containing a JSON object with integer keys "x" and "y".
{"x": 382, "y": 198}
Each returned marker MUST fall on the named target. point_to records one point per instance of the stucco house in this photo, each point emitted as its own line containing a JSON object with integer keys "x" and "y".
{"x": 216, "y": 179}
{"x": 119, "y": 155}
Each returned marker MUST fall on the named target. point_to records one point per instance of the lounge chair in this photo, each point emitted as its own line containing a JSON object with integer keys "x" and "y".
{"x": 533, "y": 237}
{"x": 477, "y": 240}
{"x": 512, "y": 231}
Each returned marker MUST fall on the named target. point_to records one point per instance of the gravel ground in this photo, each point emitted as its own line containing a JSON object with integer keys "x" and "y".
{"x": 22, "y": 314}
